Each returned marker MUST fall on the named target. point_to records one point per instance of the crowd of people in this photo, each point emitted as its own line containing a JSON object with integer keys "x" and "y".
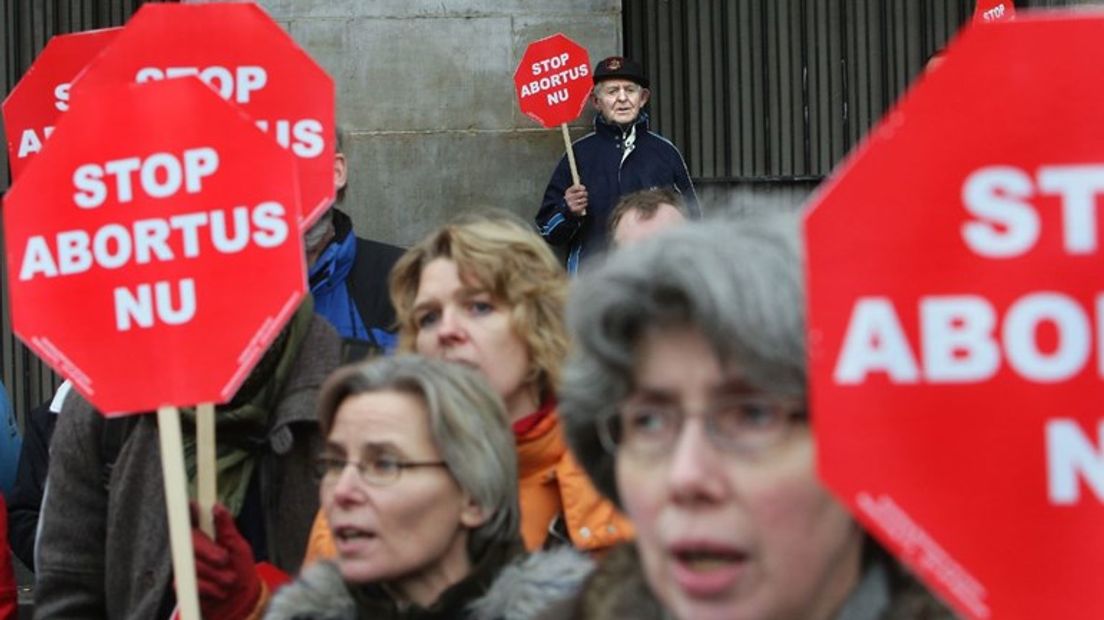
{"x": 477, "y": 428}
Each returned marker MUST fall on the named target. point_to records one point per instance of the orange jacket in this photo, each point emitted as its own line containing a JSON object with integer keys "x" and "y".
{"x": 550, "y": 483}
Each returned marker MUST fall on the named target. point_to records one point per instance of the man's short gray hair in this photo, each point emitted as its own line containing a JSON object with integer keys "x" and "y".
{"x": 467, "y": 421}
{"x": 739, "y": 282}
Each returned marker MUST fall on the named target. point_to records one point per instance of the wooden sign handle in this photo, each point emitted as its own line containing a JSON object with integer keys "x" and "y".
{"x": 176, "y": 503}
{"x": 570, "y": 156}
{"x": 206, "y": 480}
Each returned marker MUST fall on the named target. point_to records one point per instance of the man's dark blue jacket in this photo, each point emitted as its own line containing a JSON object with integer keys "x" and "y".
{"x": 652, "y": 162}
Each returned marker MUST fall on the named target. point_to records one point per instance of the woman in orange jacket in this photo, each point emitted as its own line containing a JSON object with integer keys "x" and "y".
{"x": 487, "y": 292}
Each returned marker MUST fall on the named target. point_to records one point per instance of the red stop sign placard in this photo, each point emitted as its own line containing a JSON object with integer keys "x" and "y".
{"x": 249, "y": 60}
{"x": 153, "y": 248}
{"x": 955, "y": 310}
{"x": 553, "y": 80}
{"x": 42, "y": 94}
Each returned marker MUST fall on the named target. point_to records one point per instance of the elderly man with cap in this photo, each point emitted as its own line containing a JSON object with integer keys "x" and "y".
{"x": 619, "y": 157}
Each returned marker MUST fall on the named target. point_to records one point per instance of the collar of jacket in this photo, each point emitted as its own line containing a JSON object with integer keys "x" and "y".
{"x": 336, "y": 261}
{"x": 541, "y": 447}
{"x": 603, "y": 127}
{"x": 521, "y": 588}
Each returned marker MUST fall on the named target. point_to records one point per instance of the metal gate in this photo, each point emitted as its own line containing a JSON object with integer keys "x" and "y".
{"x": 771, "y": 94}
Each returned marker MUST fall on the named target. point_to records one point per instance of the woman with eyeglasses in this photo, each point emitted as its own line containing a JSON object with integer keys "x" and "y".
{"x": 486, "y": 292}
{"x": 418, "y": 484}
{"x": 685, "y": 400}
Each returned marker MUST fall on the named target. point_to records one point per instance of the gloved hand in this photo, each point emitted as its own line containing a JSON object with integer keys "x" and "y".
{"x": 229, "y": 586}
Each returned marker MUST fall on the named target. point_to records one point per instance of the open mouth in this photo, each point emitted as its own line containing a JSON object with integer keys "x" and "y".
{"x": 347, "y": 534}
{"x": 706, "y": 560}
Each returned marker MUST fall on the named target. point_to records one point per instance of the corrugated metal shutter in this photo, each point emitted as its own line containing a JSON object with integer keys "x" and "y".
{"x": 25, "y": 27}
{"x": 773, "y": 93}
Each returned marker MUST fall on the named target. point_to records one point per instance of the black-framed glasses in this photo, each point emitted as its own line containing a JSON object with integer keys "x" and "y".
{"x": 742, "y": 425}
{"x": 377, "y": 471}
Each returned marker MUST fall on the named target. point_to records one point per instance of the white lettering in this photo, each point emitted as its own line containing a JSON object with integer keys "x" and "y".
{"x": 129, "y": 307}
{"x": 308, "y": 138}
{"x": 238, "y": 83}
{"x": 73, "y": 254}
{"x": 138, "y": 309}
{"x": 173, "y": 175}
{"x": 28, "y": 143}
{"x": 188, "y": 225}
{"x": 37, "y": 259}
{"x": 102, "y": 242}
{"x": 271, "y": 230}
{"x": 150, "y": 237}
{"x": 875, "y": 342}
{"x": 1078, "y": 186}
{"x": 225, "y": 244}
{"x": 958, "y": 345}
{"x": 1020, "y": 342}
{"x": 1006, "y": 226}
{"x": 1071, "y": 456}
{"x": 61, "y": 95}
{"x": 91, "y": 189}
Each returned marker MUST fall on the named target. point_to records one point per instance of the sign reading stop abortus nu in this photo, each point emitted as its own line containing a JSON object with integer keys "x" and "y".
{"x": 32, "y": 108}
{"x": 956, "y": 323}
{"x": 248, "y": 60}
{"x": 553, "y": 82}
{"x": 153, "y": 248}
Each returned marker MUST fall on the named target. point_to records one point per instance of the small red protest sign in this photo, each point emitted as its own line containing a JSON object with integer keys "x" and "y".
{"x": 553, "y": 80}
{"x": 956, "y": 323}
{"x": 154, "y": 253}
{"x": 250, "y": 61}
{"x": 988, "y": 11}
{"x": 33, "y": 106}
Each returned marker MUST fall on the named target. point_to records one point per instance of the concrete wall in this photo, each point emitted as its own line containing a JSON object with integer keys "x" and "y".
{"x": 426, "y": 91}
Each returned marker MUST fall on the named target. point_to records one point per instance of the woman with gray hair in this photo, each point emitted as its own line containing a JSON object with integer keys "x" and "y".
{"x": 684, "y": 399}
{"x": 419, "y": 484}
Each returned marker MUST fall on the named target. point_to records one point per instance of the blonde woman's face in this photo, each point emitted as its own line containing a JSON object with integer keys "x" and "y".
{"x": 458, "y": 321}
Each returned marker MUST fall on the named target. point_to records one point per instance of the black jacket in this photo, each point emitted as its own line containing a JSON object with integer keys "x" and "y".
{"x": 652, "y": 163}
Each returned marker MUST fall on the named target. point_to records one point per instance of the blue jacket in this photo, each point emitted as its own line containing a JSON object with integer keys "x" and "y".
{"x": 653, "y": 162}
{"x": 349, "y": 286}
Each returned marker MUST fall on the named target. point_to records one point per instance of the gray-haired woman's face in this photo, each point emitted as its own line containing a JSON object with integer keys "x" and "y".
{"x": 718, "y": 478}
{"x": 403, "y": 529}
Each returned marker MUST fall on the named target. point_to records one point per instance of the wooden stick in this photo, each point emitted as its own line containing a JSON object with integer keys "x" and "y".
{"x": 570, "y": 153}
{"x": 206, "y": 482}
{"x": 176, "y": 503}
{"x": 570, "y": 156}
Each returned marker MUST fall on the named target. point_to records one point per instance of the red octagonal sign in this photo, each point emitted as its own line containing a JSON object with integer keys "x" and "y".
{"x": 955, "y": 277}
{"x": 249, "y": 60}
{"x": 553, "y": 80}
{"x": 153, "y": 249}
{"x": 35, "y": 103}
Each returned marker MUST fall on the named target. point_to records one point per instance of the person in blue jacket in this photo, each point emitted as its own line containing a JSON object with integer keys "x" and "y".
{"x": 10, "y": 442}
{"x": 348, "y": 276}
{"x": 619, "y": 157}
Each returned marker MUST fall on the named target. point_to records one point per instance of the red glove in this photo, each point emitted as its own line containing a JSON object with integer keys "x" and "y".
{"x": 229, "y": 586}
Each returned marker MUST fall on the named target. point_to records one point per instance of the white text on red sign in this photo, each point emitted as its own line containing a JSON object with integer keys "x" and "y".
{"x": 142, "y": 241}
{"x": 553, "y": 73}
{"x": 239, "y": 84}
{"x": 962, "y": 339}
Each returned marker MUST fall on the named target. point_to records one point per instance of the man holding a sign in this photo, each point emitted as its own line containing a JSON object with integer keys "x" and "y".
{"x": 619, "y": 157}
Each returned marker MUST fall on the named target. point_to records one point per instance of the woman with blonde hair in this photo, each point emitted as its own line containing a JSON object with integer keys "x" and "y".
{"x": 487, "y": 292}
